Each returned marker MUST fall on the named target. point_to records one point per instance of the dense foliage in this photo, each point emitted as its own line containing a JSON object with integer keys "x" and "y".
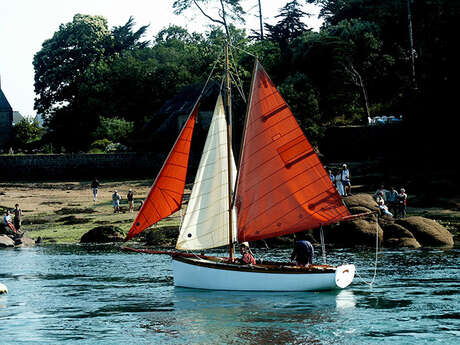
{"x": 359, "y": 64}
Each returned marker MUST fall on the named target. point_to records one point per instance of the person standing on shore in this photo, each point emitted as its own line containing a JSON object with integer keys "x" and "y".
{"x": 116, "y": 201}
{"x": 95, "y": 186}
{"x": 17, "y": 217}
{"x": 346, "y": 180}
{"x": 339, "y": 184}
{"x": 130, "y": 197}
{"x": 402, "y": 200}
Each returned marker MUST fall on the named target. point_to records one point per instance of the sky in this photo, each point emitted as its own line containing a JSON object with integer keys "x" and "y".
{"x": 26, "y": 24}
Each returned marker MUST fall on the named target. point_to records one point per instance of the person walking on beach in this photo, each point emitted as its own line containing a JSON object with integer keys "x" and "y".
{"x": 17, "y": 217}
{"x": 95, "y": 186}
{"x": 116, "y": 201}
{"x": 130, "y": 197}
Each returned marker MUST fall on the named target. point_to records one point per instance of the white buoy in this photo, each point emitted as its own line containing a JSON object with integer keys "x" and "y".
{"x": 3, "y": 289}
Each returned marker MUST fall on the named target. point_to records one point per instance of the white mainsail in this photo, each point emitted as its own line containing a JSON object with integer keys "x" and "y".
{"x": 205, "y": 223}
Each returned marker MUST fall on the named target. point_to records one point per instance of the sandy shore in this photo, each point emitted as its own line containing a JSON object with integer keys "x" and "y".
{"x": 62, "y": 211}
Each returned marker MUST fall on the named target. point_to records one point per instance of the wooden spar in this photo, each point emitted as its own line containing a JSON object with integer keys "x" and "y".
{"x": 164, "y": 252}
{"x": 229, "y": 153}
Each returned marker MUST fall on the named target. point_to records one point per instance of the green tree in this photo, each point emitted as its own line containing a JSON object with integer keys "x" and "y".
{"x": 290, "y": 25}
{"x": 61, "y": 63}
{"x": 228, "y": 11}
{"x": 25, "y": 132}
{"x": 114, "y": 129}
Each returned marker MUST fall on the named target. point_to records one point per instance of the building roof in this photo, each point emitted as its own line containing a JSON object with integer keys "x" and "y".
{"x": 4, "y": 104}
{"x": 17, "y": 117}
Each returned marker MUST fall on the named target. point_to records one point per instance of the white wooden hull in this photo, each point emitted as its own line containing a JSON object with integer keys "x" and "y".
{"x": 205, "y": 274}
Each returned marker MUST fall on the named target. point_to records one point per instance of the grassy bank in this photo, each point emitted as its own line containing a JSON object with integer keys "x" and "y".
{"x": 61, "y": 212}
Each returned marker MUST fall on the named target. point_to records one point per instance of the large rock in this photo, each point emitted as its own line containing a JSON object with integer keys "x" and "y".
{"x": 427, "y": 232}
{"x": 6, "y": 241}
{"x": 24, "y": 241}
{"x": 103, "y": 234}
{"x": 361, "y": 200}
{"x": 394, "y": 235}
{"x": 358, "y": 232}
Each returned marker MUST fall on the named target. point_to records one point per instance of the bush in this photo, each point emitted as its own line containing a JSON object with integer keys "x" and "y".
{"x": 99, "y": 146}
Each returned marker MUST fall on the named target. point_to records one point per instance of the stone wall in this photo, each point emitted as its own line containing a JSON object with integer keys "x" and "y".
{"x": 80, "y": 166}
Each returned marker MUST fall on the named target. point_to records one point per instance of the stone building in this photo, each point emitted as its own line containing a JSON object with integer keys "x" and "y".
{"x": 6, "y": 120}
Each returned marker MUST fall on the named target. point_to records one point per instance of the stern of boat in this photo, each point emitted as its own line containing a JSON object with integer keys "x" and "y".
{"x": 344, "y": 275}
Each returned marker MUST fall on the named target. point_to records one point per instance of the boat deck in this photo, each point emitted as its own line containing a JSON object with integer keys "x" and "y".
{"x": 266, "y": 266}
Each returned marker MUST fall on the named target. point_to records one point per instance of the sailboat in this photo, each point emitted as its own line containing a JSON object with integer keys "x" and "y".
{"x": 281, "y": 188}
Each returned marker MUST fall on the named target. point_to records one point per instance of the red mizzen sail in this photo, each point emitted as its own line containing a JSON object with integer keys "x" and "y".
{"x": 165, "y": 196}
{"x": 282, "y": 186}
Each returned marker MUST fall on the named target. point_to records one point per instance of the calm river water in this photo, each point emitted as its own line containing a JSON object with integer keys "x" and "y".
{"x": 95, "y": 295}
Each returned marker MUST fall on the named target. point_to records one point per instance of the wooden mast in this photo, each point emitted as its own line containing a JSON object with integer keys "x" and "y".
{"x": 229, "y": 151}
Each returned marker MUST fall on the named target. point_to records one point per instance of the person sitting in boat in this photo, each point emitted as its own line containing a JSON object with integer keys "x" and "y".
{"x": 303, "y": 252}
{"x": 247, "y": 257}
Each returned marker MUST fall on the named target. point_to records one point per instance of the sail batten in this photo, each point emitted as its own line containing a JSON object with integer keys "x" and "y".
{"x": 282, "y": 186}
{"x": 165, "y": 196}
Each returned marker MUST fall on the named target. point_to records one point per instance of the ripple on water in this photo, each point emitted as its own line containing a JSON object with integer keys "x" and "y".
{"x": 73, "y": 294}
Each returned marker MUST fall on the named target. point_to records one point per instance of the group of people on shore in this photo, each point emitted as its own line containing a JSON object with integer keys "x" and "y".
{"x": 13, "y": 225}
{"x": 341, "y": 180}
{"x": 116, "y": 197}
{"x": 391, "y": 202}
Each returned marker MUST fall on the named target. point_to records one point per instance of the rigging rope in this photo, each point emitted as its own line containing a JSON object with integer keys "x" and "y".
{"x": 210, "y": 74}
{"x": 323, "y": 245}
{"x": 244, "y": 51}
{"x": 239, "y": 84}
{"x": 371, "y": 283}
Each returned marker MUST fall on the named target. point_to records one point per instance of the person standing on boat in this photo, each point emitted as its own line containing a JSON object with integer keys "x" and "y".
{"x": 303, "y": 252}
{"x": 246, "y": 255}
{"x": 116, "y": 201}
{"x": 130, "y": 197}
{"x": 95, "y": 187}
{"x": 346, "y": 180}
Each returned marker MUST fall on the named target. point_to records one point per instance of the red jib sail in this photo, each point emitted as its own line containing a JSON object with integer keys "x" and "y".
{"x": 282, "y": 186}
{"x": 165, "y": 196}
